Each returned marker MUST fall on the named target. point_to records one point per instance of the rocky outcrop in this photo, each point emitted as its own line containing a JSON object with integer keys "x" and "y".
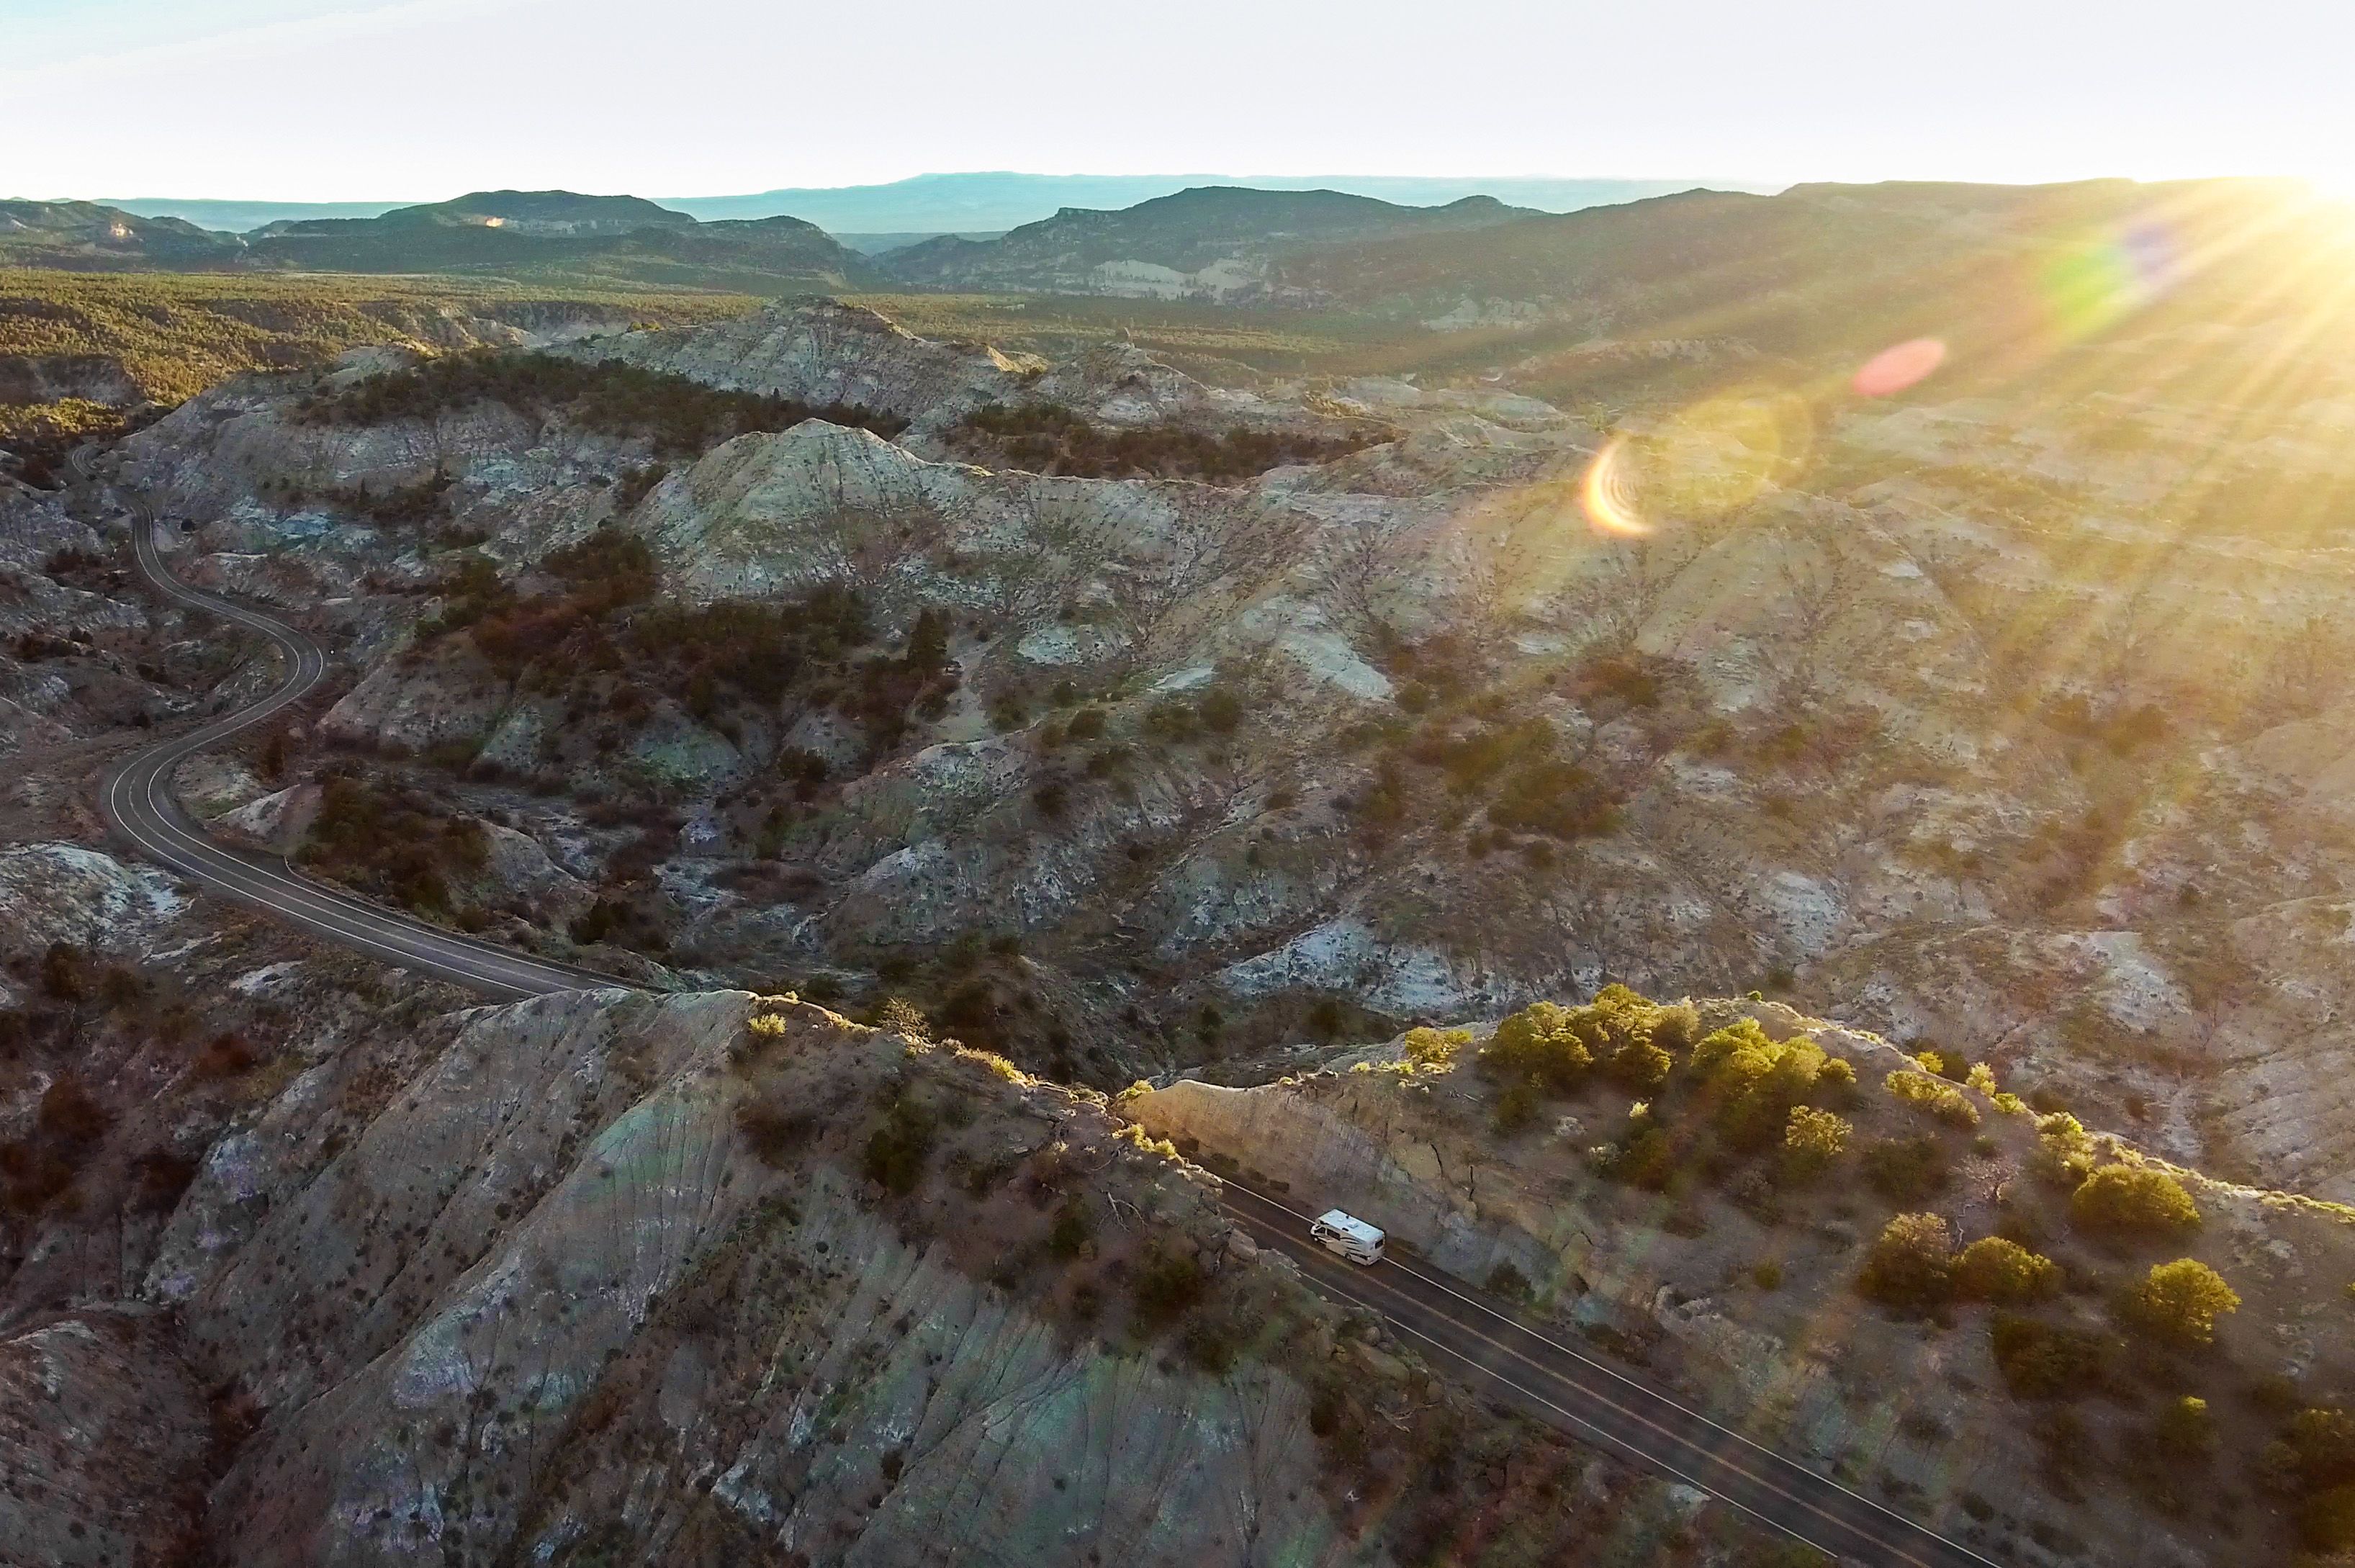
{"x": 543, "y": 1298}
{"x": 64, "y": 892}
{"x": 454, "y": 698}
{"x": 104, "y": 1439}
{"x": 831, "y": 353}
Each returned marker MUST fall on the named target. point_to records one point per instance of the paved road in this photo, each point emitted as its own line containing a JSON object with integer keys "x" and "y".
{"x": 1523, "y": 1365}
{"x": 140, "y": 806}
{"x": 1444, "y": 1320}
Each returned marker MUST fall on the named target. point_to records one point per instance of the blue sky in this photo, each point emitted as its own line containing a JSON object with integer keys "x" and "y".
{"x": 324, "y": 100}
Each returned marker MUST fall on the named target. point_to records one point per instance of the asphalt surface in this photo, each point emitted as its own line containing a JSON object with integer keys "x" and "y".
{"x": 140, "y": 806}
{"x": 1454, "y": 1328}
{"x": 1520, "y": 1363}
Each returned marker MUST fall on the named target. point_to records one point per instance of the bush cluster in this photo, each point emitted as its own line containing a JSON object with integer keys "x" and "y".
{"x": 2314, "y": 1462}
{"x": 392, "y": 843}
{"x": 1048, "y": 438}
{"x": 1913, "y": 1267}
{"x": 1751, "y": 1082}
{"x": 1549, "y": 1049}
{"x": 677, "y": 415}
{"x": 1937, "y": 1095}
{"x": 1532, "y": 788}
{"x": 2133, "y": 1199}
{"x": 2045, "y": 1360}
{"x": 2180, "y": 1301}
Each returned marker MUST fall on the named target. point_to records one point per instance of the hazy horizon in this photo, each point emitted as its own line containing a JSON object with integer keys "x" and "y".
{"x": 301, "y": 100}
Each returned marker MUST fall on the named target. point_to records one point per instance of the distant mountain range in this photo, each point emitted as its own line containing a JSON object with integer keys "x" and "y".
{"x": 985, "y": 203}
{"x": 536, "y": 235}
{"x": 91, "y": 235}
{"x": 963, "y": 203}
{"x": 1214, "y": 241}
{"x": 1709, "y": 279}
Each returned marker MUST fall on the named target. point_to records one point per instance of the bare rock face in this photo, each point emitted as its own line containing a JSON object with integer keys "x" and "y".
{"x": 276, "y": 821}
{"x": 456, "y": 697}
{"x": 830, "y": 352}
{"x": 779, "y": 514}
{"x": 518, "y": 872}
{"x": 104, "y": 1437}
{"x": 64, "y": 892}
{"x": 545, "y": 1300}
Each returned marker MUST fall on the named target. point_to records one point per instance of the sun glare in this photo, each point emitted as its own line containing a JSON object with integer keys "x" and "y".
{"x": 1608, "y": 496}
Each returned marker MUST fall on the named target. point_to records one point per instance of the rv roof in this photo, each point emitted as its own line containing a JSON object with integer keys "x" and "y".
{"x": 1349, "y": 1225}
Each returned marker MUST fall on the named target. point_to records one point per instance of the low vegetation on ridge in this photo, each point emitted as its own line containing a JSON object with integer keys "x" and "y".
{"x": 1640, "y": 1163}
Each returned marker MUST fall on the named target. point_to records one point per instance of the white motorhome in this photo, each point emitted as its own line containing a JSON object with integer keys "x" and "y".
{"x": 1347, "y": 1236}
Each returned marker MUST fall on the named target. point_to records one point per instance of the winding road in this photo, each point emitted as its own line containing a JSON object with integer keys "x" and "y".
{"x": 1456, "y": 1329}
{"x": 140, "y": 807}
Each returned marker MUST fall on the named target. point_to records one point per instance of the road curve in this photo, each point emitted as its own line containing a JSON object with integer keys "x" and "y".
{"x": 1521, "y": 1364}
{"x": 139, "y": 804}
{"x": 1448, "y": 1323}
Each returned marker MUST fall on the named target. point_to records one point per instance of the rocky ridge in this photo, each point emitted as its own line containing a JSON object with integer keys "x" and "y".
{"x": 1867, "y": 744}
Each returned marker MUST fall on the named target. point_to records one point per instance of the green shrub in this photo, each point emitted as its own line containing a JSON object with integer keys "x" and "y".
{"x": 2317, "y": 1449}
{"x": 1648, "y": 1160}
{"x": 1168, "y": 1284}
{"x": 1905, "y": 1170}
{"x": 1812, "y": 1140}
{"x": 1910, "y": 1265}
{"x": 1518, "y": 1107}
{"x": 1994, "y": 1268}
{"x": 1942, "y": 1099}
{"x": 2041, "y": 1361}
{"x": 2064, "y": 1150}
{"x": 1434, "y": 1050}
{"x": 1070, "y": 1232}
{"x": 1675, "y": 1028}
{"x": 2136, "y": 1199}
{"x": 1751, "y": 1082}
{"x": 2182, "y": 1301}
{"x": 2185, "y": 1428}
{"x": 896, "y": 1151}
{"x": 2327, "y": 1520}
{"x": 1558, "y": 799}
{"x": 1537, "y": 1046}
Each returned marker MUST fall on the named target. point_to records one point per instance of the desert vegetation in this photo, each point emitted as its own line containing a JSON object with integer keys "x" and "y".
{"x": 678, "y": 417}
{"x": 1793, "y": 1174}
{"x": 128, "y": 338}
{"x": 1047, "y": 439}
{"x": 394, "y": 843}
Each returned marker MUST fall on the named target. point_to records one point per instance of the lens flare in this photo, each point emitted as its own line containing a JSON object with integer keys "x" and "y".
{"x": 2100, "y": 282}
{"x": 1706, "y": 460}
{"x": 1894, "y": 369}
{"x": 1608, "y": 494}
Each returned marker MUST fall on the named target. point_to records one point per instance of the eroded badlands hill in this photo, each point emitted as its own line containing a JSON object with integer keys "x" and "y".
{"x": 1122, "y": 774}
{"x": 324, "y": 1274}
